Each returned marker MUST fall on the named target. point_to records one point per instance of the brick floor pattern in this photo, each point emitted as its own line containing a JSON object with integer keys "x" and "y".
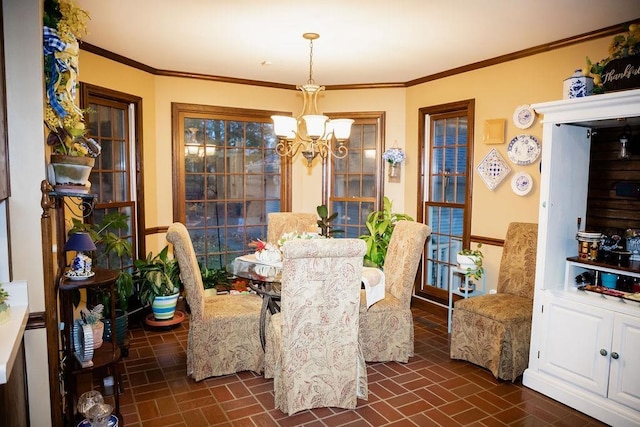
{"x": 430, "y": 390}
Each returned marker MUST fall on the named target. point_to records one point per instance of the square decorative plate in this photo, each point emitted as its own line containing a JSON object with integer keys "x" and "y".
{"x": 493, "y": 169}
{"x": 493, "y": 131}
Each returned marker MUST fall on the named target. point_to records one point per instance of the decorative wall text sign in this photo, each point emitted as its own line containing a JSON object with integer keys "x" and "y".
{"x": 620, "y": 74}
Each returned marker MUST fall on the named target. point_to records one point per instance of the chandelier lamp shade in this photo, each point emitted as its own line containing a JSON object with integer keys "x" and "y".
{"x": 311, "y": 131}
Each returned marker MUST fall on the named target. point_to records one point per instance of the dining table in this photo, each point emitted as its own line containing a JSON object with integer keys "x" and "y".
{"x": 265, "y": 279}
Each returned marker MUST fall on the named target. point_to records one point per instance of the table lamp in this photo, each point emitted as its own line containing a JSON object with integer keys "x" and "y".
{"x": 81, "y": 265}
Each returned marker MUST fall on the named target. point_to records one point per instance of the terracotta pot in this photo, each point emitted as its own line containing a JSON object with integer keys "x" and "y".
{"x": 71, "y": 170}
{"x": 98, "y": 330}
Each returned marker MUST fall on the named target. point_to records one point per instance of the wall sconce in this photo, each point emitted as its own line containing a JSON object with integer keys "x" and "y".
{"x": 625, "y": 141}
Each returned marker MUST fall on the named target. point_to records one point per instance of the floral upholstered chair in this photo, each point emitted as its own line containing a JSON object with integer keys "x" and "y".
{"x": 493, "y": 331}
{"x": 386, "y": 328}
{"x": 224, "y": 329}
{"x": 313, "y": 341}
{"x": 279, "y": 223}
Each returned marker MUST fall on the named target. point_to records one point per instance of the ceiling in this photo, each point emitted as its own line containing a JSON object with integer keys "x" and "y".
{"x": 372, "y": 42}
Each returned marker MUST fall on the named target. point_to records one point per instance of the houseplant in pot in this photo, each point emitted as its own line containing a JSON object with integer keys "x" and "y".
{"x": 380, "y": 225}
{"x": 73, "y": 154}
{"x": 158, "y": 281}
{"x": 107, "y": 235}
{"x": 470, "y": 260}
{"x": 93, "y": 318}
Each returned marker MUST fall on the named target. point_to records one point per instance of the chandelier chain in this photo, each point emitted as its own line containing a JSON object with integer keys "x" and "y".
{"x": 311, "y": 81}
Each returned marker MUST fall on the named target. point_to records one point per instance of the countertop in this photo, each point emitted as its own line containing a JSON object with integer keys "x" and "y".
{"x": 11, "y": 332}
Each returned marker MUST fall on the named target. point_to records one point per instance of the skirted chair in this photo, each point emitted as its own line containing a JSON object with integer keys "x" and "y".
{"x": 494, "y": 330}
{"x": 279, "y": 223}
{"x": 223, "y": 329}
{"x": 386, "y": 328}
{"x": 312, "y": 347}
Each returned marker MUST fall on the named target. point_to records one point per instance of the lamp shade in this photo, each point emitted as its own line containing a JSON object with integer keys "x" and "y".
{"x": 315, "y": 125}
{"x": 285, "y": 126}
{"x": 80, "y": 242}
{"x": 341, "y": 128}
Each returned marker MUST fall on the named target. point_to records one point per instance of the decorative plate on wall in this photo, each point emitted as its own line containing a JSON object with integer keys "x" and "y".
{"x": 521, "y": 183}
{"x": 524, "y": 116}
{"x": 523, "y": 149}
{"x": 493, "y": 169}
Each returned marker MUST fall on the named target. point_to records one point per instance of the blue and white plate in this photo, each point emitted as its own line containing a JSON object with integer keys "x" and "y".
{"x": 521, "y": 183}
{"x": 523, "y": 149}
{"x": 524, "y": 116}
{"x": 113, "y": 422}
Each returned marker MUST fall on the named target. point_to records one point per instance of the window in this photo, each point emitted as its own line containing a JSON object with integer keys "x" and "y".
{"x": 356, "y": 181}
{"x": 446, "y": 134}
{"x": 228, "y": 178}
{"x": 113, "y": 119}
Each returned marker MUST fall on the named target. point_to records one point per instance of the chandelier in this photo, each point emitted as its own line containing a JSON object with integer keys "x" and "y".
{"x": 311, "y": 131}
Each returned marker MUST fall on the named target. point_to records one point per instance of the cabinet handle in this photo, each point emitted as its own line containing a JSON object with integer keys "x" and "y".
{"x": 603, "y": 352}
{"x": 615, "y": 355}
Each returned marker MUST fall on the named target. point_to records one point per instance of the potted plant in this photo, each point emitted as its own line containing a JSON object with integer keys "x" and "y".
{"x": 471, "y": 261}
{"x": 380, "y": 225}
{"x": 4, "y": 307}
{"x": 106, "y": 235}
{"x": 93, "y": 318}
{"x": 73, "y": 154}
{"x": 325, "y": 222}
{"x": 218, "y": 280}
{"x": 158, "y": 281}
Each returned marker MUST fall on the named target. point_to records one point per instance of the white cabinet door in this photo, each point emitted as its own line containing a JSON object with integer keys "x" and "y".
{"x": 574, "y": 336}
{"x": 624, "y": 384}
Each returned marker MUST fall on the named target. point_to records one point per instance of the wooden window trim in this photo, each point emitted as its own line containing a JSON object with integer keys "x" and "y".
{"x": 178, "y": 112}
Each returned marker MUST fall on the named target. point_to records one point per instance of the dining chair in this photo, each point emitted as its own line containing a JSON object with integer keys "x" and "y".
{"x": 313, "y": 342}
{"x": 224, "y": 333}
{"x": 494, "y": 330}
{"x": 279, "y": 223}
{"x": 386, "y": 328}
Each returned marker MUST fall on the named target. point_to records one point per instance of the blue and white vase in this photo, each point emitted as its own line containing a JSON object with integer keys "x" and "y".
{"x": 577, "y": 86}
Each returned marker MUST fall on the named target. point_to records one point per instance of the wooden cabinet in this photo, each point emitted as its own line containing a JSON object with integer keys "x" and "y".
{"x": 594, "y": 348}
{"x": 585, "y": 347}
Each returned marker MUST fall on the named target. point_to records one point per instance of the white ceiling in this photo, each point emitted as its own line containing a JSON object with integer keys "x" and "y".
{"x": 372, "y": 41}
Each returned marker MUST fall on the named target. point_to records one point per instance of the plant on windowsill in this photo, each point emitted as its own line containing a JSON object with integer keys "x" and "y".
{"x": 380, "y": 225}
{"x": 471, "y": 261}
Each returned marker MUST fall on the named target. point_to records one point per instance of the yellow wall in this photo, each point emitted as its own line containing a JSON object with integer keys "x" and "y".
{"x": 497, "y": 91}
{"x": 159, "y": 92}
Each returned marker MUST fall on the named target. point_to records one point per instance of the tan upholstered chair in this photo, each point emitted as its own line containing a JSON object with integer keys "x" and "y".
{"x": 313, "y": 341}
{"x": 224, "y": 329}
{"x": 279, "y": 223}
{"x": 386, "y": 328}
{"x": 493, "y": 331}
